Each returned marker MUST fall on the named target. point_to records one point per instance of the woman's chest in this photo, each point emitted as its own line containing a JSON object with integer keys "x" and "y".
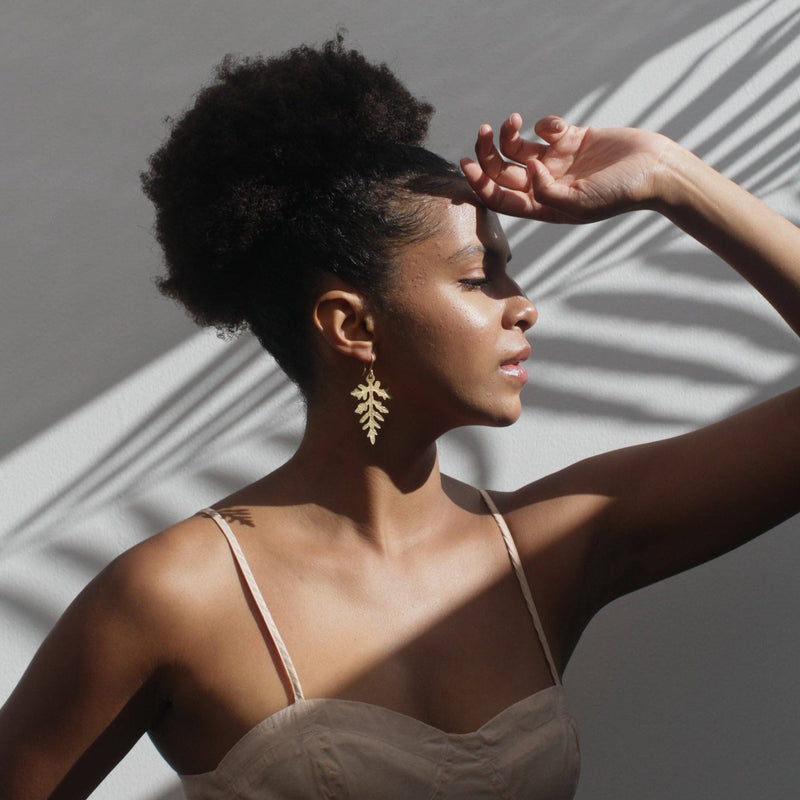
{"x": 450, "y": 653}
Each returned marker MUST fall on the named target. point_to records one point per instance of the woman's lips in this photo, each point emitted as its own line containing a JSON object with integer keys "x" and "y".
{"x": 513, "y": 366}
{"x": 515, "y": 371}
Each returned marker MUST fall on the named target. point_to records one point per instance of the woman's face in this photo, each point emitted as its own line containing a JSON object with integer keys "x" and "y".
{"x": 452, "y": 326}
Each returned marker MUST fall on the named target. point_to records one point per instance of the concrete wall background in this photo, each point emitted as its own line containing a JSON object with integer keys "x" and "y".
{"x": 119, "y": 418}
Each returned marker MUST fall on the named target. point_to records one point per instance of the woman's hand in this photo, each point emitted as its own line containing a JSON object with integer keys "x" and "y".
{"x": 577, "y": 175}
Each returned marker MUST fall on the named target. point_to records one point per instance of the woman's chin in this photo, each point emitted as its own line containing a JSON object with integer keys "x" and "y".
{"x": 504, "y": 422}
{"x": 502, "y": 418}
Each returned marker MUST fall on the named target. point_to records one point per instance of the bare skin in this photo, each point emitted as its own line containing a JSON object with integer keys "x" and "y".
{"x": 386, "y": 578}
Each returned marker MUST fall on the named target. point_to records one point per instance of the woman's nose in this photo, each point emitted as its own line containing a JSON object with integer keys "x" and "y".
{"x": 527, "y": 316}
{"x": 522, "y": 312}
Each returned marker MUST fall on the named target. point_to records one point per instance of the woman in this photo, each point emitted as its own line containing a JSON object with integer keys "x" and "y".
{"x": 356, "y": 623}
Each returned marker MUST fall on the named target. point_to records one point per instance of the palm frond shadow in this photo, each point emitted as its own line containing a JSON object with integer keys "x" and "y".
{"x": 644, "y": 307}
{"x": 697, "y": 265}
{"x": 82, "y": 558}
{"x": 629, "y": 361}
{"x": 35, "y": 612}
{"x": 765, "y": 48}
{"x": 170, "y": 794}
{"x": 470, "y": 452}
{"x": 756, "y": 59}
{"x": 784, "y": 383}
{"x": 570, "y": 265}
{"x": 559, "y": 264}
{"x": 585, "y": 252}
{"x": 587, "y": 404}
{"x": 170, "y": 436}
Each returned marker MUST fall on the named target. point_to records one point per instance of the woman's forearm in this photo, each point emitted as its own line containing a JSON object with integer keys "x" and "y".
{"x": 755, "y": 240}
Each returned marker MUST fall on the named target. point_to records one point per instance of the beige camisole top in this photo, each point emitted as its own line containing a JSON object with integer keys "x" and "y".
{"x": 349, "y": 750}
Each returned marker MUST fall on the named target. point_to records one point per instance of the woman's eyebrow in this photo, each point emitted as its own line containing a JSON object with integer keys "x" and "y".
{"x": 479, "y": 249}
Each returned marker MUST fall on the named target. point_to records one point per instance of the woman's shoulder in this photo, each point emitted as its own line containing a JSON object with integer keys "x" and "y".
{"x": 141, "y": 621}
{"x": 550, "y": 521}
{"x": 164, "y": 581}
{"x": 539, "y": 511}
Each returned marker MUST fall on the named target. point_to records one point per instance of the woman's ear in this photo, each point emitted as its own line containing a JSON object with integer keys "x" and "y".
{"x": 342, "y": 318}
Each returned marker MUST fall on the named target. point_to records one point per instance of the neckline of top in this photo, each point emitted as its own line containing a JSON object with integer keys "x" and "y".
{"x": 295, "y": 711}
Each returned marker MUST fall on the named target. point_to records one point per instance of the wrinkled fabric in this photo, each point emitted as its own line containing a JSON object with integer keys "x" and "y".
{"x": 327, "y": 748}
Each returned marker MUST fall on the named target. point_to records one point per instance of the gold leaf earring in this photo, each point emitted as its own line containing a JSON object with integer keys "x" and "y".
{"x": 370, "y": 409}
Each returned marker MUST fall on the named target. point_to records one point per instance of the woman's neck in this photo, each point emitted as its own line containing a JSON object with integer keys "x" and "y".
{"x": 387, "y": 494}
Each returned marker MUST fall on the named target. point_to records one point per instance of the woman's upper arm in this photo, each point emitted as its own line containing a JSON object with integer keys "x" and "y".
{"x": 677, "y": 503}
{"x": 89, "y": 693}
{"x": 628, "y": 518}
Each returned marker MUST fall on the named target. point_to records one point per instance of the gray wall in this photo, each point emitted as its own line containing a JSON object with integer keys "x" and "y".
{"x": 119, "y": 418}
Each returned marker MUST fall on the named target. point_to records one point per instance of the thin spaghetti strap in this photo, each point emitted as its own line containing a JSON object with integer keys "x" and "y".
{"x": 244, "y": 567}
{"x": 513, "y": 555}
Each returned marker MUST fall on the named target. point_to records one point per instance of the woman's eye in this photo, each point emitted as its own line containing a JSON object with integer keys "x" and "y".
{"x": 474, "y": 283}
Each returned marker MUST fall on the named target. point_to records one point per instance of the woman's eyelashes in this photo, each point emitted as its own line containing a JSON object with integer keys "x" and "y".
{"x": 494, "y": 267}
{"x": 474, "y": 283}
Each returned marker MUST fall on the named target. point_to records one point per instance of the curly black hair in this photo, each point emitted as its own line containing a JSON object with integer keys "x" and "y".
{"x": 286, "y": 168}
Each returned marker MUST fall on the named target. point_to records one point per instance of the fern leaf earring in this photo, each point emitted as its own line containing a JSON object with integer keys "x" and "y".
{"x": 371, "y": 409}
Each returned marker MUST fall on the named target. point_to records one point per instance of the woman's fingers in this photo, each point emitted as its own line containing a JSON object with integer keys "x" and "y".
{"x": 508, "y": 201}
{"x": 508, "y": 187}
{"x": 545, "y": 188}
{"x": 490, "y": 160}
{"x": 511, "y": 176}
{"x": 493, "y": 194}
{"x": 513, "y": 146}
{"x": 550, "y": 128}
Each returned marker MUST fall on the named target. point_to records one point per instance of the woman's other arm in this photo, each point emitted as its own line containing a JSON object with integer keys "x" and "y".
{"x": 91, "y": 690}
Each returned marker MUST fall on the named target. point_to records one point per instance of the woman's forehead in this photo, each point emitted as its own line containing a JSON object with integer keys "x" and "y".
{"x": 467, "y": 218}
{"x": 460, "y": 230}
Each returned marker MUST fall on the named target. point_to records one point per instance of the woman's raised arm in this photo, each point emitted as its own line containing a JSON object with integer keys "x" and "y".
{"x": 646, "y": 512}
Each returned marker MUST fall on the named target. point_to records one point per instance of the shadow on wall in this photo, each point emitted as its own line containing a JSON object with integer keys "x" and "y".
{"x": 742, "y": 116}
{"x": 108, "y": 75}
{"x": 638, "y": 325}
{"x": 642, "y": 310}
